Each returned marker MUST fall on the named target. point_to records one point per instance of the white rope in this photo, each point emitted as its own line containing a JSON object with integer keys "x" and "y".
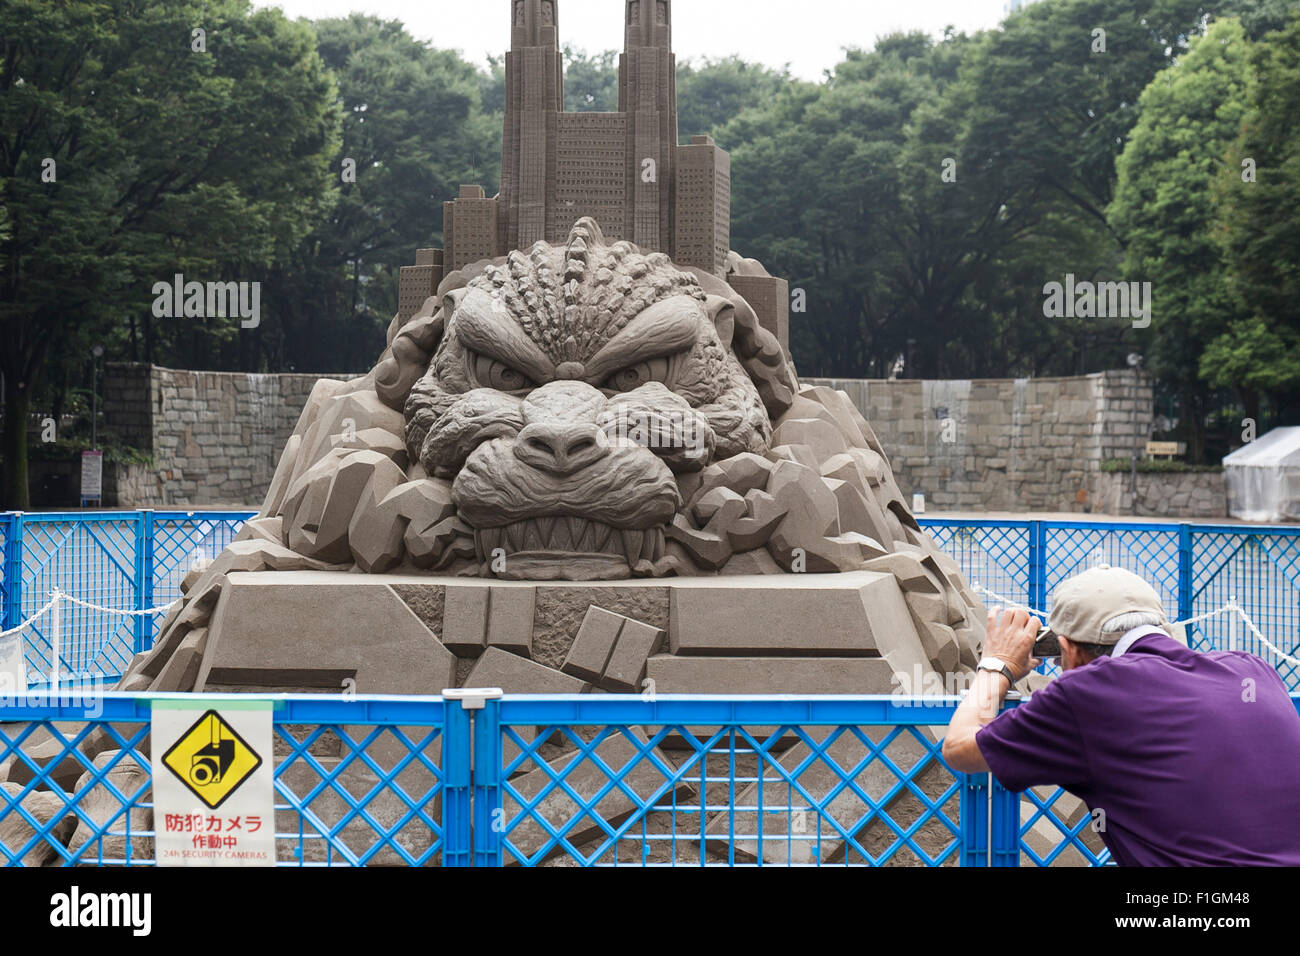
{"x": 1264, "y": 640}
{"x": 1226, "y": 609}
{"x": 34, "y": 618}
{"x": 1232, "y": 607}
{"x": 1229, "y": 608}
{"x": 58, "y": 596}
{"x": 120, "y": 611}
{"x": 1008, "y": 602}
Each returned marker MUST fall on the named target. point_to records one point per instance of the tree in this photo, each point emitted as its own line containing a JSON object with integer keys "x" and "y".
{"x": 590, "y": 82}
{"x": 132, "y": 147}
{"x": 413, "y": 130}
{"x": 1256, "y": 203}
{"x": 926, "y": 192}
{"x": 711, "y": 93}
{"x": 1163, "y": 208}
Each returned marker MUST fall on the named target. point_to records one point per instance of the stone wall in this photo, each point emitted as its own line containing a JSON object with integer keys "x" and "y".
{"x": 1186, "y": 494}
{"x": 1006, "y": 444}
{"x": 134, "y": 486}
{"x": 215, "y": 437}
{"x": 985, "y": 445}
{"x": 56, "y": 485}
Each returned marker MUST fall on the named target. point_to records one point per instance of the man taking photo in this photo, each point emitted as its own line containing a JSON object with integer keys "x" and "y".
{"x": 1194, "y": 759}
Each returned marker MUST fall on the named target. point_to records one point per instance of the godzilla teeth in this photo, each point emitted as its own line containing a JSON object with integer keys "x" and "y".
{"x": 653, "y": 548}
{"x": 489, "y": 540}
{"x": 573, "y": 535}
{"x": 633, "y": 541}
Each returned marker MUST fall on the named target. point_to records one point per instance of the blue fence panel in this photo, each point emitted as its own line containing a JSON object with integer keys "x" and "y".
{"x": 1195, "y": 568}
{"x": 181, "y": 542}
{"x": 357, "y": 782}
{"x": 1150, "y": 551}
{"x": 137, "y": 560}
{"x": 94, "y": 558}
{"x": 994, "y": 554}
{"x": 597, "y": 780}
{"x": 9, "y": 567}
{"x": 1260, "y": 569}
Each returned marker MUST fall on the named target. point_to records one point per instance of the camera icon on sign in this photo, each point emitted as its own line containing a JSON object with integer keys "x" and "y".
{"x": 209, "y": 765}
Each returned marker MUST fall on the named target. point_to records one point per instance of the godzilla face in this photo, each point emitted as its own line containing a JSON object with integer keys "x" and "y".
{"x": 571, "y": 388}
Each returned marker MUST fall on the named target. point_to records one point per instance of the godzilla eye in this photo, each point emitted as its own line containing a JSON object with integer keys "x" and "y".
{"x": 634, "y": 376}
{"x": 489, "y": 373}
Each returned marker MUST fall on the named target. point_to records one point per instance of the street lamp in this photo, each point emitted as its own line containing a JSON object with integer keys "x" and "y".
{"x": 97, "y": 351}
{"x": 1135, "y": 363}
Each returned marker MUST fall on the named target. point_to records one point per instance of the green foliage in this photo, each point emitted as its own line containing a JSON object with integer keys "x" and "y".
{"x": 840, "y": 187}
{"x": 712, "y": 92}
{"x": 1259, "y": 17}
{"x": 1260, "y": 232}
{"x": 413, "y": 130}
{"x": 590, "y": 82}
{"x": 70, "y": 449}
{"x": 164, "y": 159}
{"x": 1060, "y": 158}
{"x": 1163, "y": 206}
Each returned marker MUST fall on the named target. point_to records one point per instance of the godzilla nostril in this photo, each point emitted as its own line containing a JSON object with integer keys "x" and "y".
{"x": 559, "y": 449}
{"x": 542, "y": 446}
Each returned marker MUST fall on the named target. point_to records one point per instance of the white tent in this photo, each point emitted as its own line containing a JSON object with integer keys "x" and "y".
{"x": 1263, "y": 478}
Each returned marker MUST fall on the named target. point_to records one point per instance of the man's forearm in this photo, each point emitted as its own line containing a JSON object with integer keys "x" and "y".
{"x": 980, "y": 706}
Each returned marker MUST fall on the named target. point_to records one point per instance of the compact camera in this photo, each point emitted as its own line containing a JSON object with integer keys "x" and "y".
{"x": 1046, "y": 646}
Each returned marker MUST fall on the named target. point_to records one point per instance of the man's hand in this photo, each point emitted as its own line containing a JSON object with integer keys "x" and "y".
{"x": 1010, "y": 638}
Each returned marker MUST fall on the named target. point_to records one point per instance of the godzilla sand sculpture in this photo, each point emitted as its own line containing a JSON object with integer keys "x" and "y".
{"x": 586, "y": 407}
{"x": 577, "y": 426}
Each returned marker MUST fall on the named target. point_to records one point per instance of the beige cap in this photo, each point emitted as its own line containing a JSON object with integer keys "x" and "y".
{"x": 1081, "y": 605}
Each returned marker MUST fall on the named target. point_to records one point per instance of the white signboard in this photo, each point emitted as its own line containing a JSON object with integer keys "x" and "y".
{"x": 92, "y": 474}
{"x": 13, "y": 668}
{"x": 213, "y": 783}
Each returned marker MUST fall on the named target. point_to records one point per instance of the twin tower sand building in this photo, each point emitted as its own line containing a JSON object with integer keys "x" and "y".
{"x": 626, "y": 170}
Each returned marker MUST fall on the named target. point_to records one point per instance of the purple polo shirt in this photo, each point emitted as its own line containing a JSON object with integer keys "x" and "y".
{"x": 1189, "y": 770}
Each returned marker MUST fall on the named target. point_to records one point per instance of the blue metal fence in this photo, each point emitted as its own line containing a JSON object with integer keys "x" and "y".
{"x": 588, "y": 780}
{"x": 721, "y": 780}
{"x": 132, "y": 560}
{"x": 365, "y": 781}
{"x": 117, "y": 560}
{"x": 1195, "y": 568}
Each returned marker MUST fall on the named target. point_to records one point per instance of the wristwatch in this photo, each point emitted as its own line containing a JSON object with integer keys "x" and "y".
{"x": 998, "y": 666}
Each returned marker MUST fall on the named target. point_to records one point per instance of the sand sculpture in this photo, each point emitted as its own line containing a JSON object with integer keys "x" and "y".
{"x": 588, "y": 414}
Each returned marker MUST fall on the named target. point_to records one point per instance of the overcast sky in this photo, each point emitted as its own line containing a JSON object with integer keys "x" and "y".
{"x": 807, "y": 34}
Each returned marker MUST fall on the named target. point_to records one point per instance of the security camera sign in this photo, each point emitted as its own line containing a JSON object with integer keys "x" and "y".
{"x": 213, "y": 783}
